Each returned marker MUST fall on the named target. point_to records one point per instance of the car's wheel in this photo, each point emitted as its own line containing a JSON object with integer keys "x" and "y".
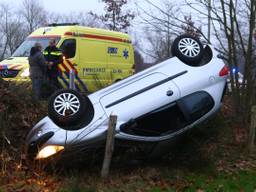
{"x": 188, "y": 49}
{"x": 69, "y": 109}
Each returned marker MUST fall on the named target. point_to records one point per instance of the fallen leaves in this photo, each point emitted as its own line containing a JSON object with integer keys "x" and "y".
{"x": 18, "y": 113}
{"x": 32, "y": 184}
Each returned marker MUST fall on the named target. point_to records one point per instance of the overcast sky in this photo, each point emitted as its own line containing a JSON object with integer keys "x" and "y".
{"x": 66, "y": 6}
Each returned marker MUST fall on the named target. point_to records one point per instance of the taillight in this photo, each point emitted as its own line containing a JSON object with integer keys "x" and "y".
{"x": 224, "y": 71}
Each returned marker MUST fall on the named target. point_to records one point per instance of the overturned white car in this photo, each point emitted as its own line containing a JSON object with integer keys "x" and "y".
{"x": 152, "y": 106}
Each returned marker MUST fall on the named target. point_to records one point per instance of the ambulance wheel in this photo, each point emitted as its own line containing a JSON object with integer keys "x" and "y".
{"x": 188, "y": 49}
{"x": 69, "y": 109}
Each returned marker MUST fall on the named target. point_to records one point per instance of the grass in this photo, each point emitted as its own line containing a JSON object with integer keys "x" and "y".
{"x": 240, "y": 181}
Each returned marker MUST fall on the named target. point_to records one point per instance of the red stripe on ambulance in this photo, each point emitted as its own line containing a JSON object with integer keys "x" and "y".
{"x": 99, "y": 37}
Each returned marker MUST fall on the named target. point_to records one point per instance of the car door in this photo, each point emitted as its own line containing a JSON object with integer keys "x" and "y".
{"x": 93, "y": 63}
{"x": 139, "y": 96}
{"x": 70, "y": 62}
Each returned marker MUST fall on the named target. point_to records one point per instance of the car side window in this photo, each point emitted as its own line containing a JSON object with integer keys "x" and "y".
{"x": 196, "y": 105}
{"x": 68, "y": 48}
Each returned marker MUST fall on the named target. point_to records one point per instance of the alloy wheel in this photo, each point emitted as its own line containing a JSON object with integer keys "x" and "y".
{"x": 189, "y": 47}
{"x": 66, "y": 104}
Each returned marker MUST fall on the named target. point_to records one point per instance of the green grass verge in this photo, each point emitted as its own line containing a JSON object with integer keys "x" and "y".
{"x": 244, "y": 181}
{"x": 241, "y": 181}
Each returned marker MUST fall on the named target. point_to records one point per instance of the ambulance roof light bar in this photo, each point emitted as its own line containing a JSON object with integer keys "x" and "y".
{"x": 61, "y": 24}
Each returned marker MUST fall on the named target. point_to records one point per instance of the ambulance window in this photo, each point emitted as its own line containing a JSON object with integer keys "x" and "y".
{"x": 68, "y": 48}
{"x": 24, "y": 49}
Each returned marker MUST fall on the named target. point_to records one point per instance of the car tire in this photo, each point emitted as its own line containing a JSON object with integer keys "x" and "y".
{"x": 69, "y": 109}
{"x": 188, "y": 49}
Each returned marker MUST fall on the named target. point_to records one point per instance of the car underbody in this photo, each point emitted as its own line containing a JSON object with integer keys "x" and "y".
{"x": 153, "y": 106}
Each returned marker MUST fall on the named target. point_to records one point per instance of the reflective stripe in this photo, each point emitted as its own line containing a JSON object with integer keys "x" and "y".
{"x": 63, "y": 81}
{"x": 56, "y": 53}
{"x": 52, "y": 53}
{"x": 65, "y": 68}
{"x": 3, "y": 67}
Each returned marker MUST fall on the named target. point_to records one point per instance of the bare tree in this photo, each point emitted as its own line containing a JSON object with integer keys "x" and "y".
{"x": 158, "y": 31}
{"x": 11, "y": 30}
{"x": 33, "y": 13}
{"x": 5, "y": 14}
{"x": 16, "y": 34}
{"x": 174, "y": 17}
{"x": 163, "y": 23}
{"x": 116, "y": 18}
{"x": 233, "y": 23}
{"x": 84, "y": 19}
{"x": 189, "y": 27}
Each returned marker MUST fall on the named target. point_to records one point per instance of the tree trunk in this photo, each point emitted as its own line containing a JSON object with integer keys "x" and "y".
{"x": 252, "y": 129}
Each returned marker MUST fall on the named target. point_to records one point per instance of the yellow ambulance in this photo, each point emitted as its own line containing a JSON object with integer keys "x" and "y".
{"x": 97, "y": 57}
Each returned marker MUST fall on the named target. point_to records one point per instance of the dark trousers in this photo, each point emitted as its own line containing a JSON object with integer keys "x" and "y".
{"x": 36, "y": 87}
{"x": 54, "y": 84}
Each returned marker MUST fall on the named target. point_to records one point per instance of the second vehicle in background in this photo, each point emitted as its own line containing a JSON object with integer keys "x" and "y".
{"x": 97, "y": 57}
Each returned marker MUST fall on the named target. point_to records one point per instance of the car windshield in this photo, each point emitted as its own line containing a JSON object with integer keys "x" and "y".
{"x": 24, "y": 49}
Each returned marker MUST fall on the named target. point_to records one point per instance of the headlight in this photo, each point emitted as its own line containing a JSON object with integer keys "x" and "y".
{"x": 49, "y": 151}
{"x": 25, "y": 73}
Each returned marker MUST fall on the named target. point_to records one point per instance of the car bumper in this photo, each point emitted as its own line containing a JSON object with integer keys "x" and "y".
{"x": 46, "y": 134}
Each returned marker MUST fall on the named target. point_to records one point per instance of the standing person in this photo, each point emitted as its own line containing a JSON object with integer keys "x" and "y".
{"x": 53, "y": 57}
{"x": 37, "y": 70}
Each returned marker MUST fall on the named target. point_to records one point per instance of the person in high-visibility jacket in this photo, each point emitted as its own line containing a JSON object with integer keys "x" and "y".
{"x": 53, "y": 57}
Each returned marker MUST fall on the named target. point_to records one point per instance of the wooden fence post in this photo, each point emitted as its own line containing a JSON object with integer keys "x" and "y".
{"x": 109, "y": 146}
{"x": 252, "y": 129}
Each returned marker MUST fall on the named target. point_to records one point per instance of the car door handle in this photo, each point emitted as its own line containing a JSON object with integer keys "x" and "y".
{"x": 169, "y": 93}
